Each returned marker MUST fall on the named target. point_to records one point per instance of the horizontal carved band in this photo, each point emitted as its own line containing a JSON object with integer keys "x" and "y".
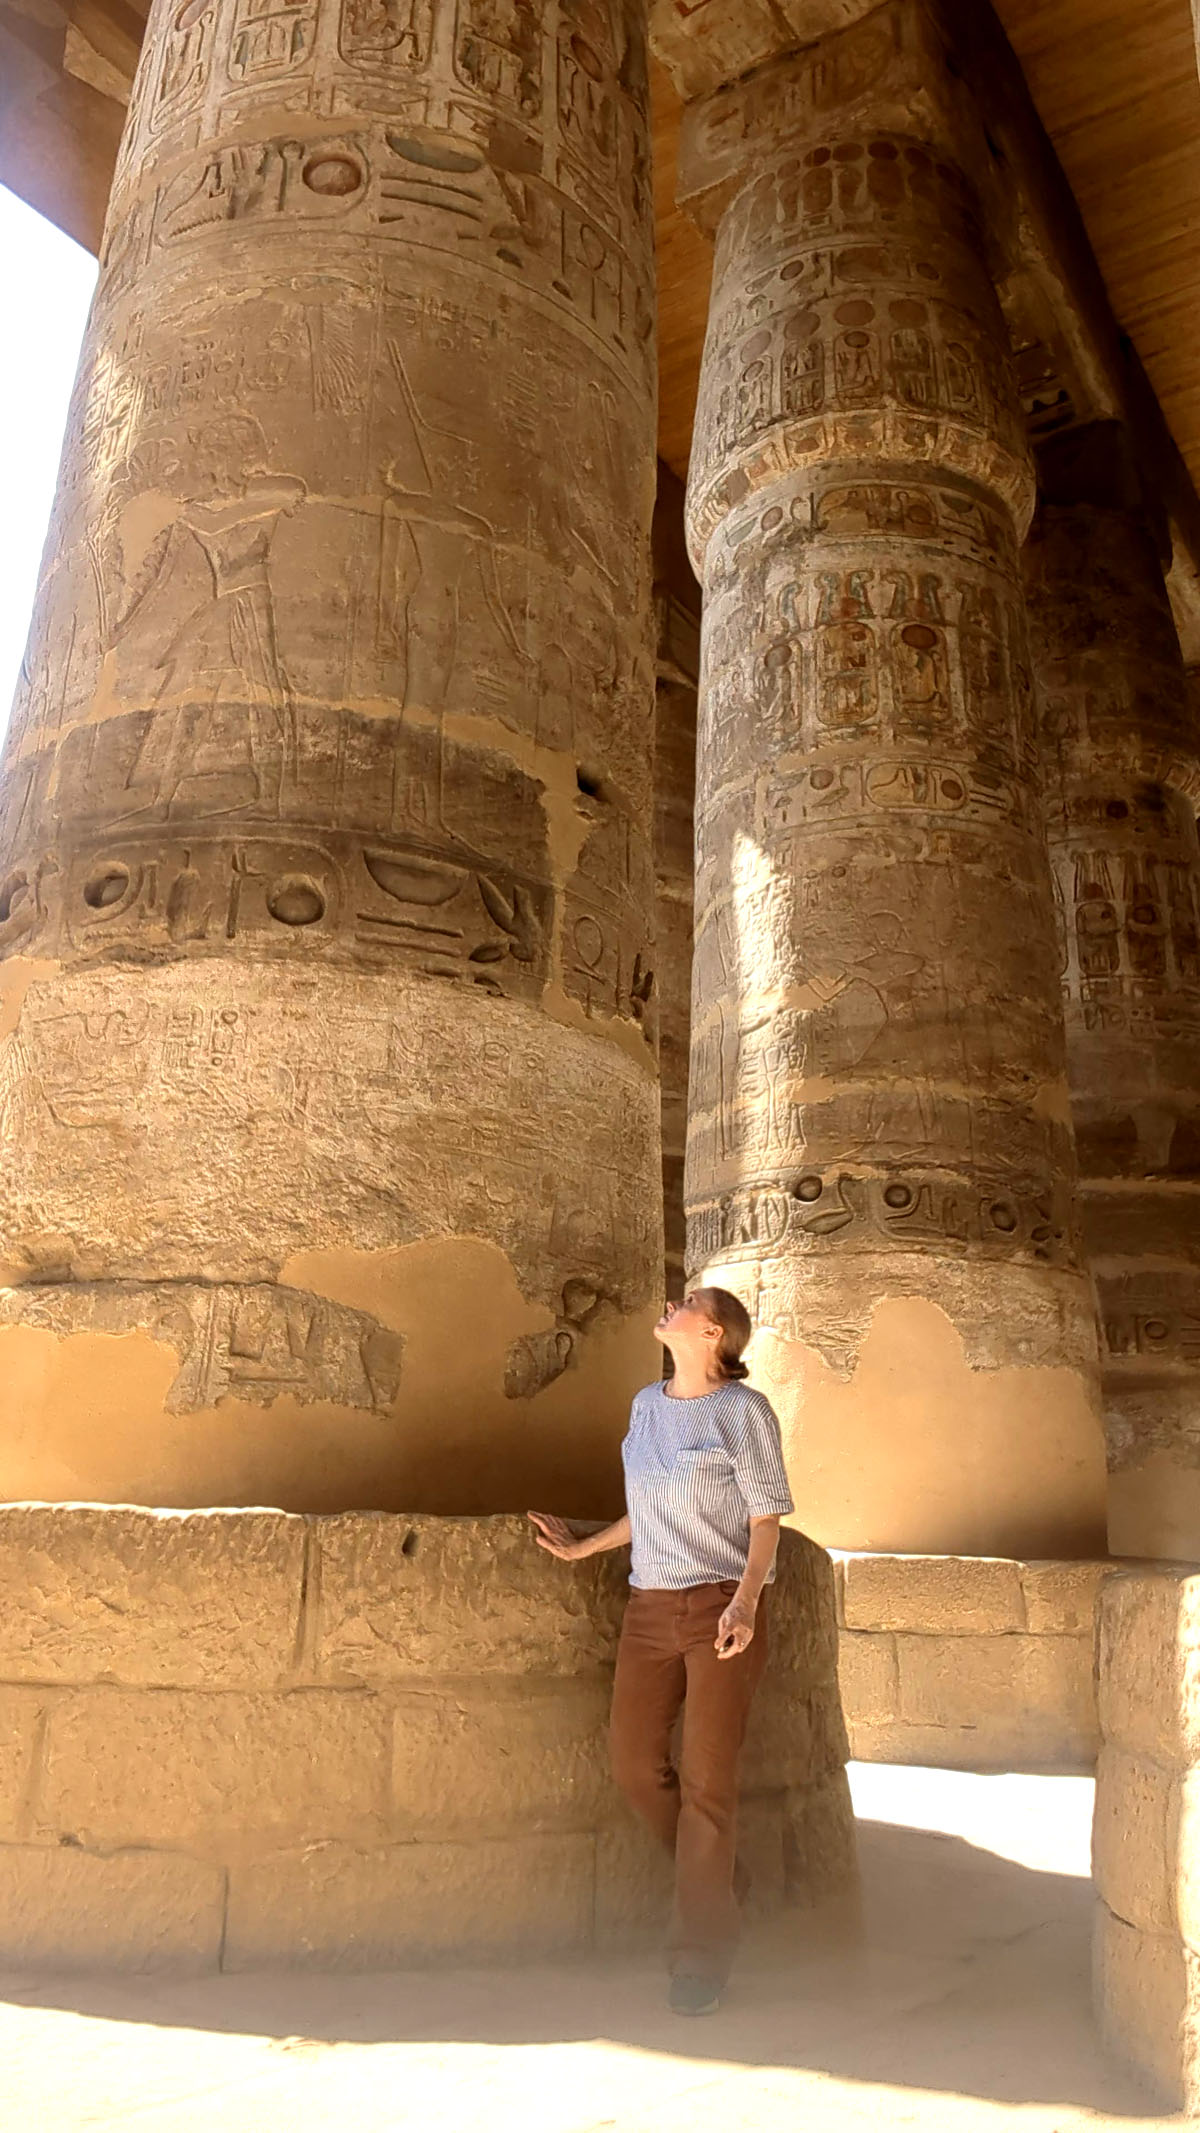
{"x": 836, "y": 1209}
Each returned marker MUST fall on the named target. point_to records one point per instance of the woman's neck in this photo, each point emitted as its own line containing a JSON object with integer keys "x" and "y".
{"x": 689, "y": 1380}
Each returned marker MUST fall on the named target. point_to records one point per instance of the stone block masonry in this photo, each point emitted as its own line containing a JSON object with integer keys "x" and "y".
{"x": 976, "y": 1663}
{"x": 326, "y": 847}
{"x": 241, "y": 1738}
{"x": 1146, "y": 1837}
{"x": 890, "y": 1189}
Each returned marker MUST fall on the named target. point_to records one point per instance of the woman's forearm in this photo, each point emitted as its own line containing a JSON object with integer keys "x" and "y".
{"x": 764, "y": 1539}
{"x": 614, "y": 1536}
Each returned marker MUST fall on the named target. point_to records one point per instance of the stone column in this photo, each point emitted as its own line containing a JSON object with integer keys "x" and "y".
{"x": 1121, "y": 752}
{"x": 330, "y": 1114}
{"x": 677, "y": 616}
{"x": 880, "y": 1157}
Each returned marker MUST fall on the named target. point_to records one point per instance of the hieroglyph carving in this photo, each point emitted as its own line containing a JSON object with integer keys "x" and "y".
{"x": 877, "y": 1048}
{"x": 1122, "y": 776}
{"x": 341, "y": 656}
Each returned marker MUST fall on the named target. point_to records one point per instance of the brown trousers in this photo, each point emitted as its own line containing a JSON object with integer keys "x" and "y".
{"x": 667, "y": 1659}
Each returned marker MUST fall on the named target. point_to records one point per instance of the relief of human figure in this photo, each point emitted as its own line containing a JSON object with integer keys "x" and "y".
{"x": 432, "y": 551}
{"x": 224, "y": 737}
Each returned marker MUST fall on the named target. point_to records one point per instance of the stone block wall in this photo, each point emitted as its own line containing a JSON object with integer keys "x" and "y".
{"x": 238, "y": 1738}
{"x": 973, "y": 1662}
{"x": 1146, "y": 1837}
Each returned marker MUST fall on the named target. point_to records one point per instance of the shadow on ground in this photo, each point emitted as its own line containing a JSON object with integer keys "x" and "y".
{"x": 963, "y": 1974}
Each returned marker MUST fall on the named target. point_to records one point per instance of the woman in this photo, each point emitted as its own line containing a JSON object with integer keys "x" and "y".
{"x": 705, "y": 1488}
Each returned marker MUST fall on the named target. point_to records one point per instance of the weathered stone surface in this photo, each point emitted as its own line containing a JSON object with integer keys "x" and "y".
{"x": 22, "y": 1721}
{"x": 1062, "y": 1597}
{"x": 955, "y": 1595}
{"x": 325, "y": 816}
{"x": 634, "y": 1882}
{"x": 803, "y": 1615}
{"x": 399, "y": 1597}
{"x": 793, "y": 1740}
{"x": 1134, "y": 1840}
{"x": 1123, "y": 774}
{"x": 453, "y": 1800}
{"x": 818, "y": 1844}
{"x": 331, "y": 1907}
{"x": 889, "y": 1190}
{"x": 1148, "y": 1658}
{"x": 68, "y": 1909}
{"x": 761, "y": 1832}
{"x": 1147, "y": 1829}
{"x": 1146, "y": 1997}
{"x": 477, "y": 1756}
{"x": 1183, "y": 1831}
{"x": 868, "y": 1677}
{"x": 91, "y": 1593}
{"x": 978, "y": 1662}
{"x": 1003, "y": 1688}
{"x": 713, "y": 43}
{"x": 177, "y": 1767}
{"x": 677, "y": 617}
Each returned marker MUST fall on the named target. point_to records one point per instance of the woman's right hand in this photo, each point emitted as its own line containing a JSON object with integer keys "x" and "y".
{"x": 557, "y": 1538}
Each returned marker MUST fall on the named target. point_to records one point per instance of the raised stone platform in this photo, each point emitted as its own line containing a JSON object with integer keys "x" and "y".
{"x": 241, "y": 1738}
{"x": 968, "y": 1662}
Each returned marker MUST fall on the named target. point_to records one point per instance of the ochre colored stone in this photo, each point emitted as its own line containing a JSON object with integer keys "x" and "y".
{"x": 804, "y": 1637}
{"x": 1134, "y": 1839}
{"x": 1062, "y": 1597}
{"x": 403, "y": 1597}
{"x": 92, "y": 1593}
{"x": 1147, "y": 1829}
{"x": 1184, "y": 1833}
{"x": 867, "y": 1677}
{"x": 818, "y": 1842}
{"x": 677, "y": 616}
{"x": 956, "y": 1595}
{"x": 888, "y": 1188}
{"x": 1146, "y": 2003}
{"x": 975, "y": 1663}
{"x": 1122, "y": 761}
{"x": 761, "y": 1832}
{"x": 326, "y": 872}
{"x": 439, "y": 1787}
{"x": 478, "y": 1756}
{"x": 69, "y": 1909}
{"x": 794, "y": 1741}
{"x": 23, "y": 1717}
{"x": 178, "y": 1767}
{"x": 331, "y": 1907}
{"x": 1001, "y": 1687}
{"x": 1148, "y": 1659}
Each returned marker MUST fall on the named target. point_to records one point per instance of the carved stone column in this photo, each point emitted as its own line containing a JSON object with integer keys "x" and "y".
{"x": 677, "y": 615}
{"x": 1121, "y": 750}
{"x": 330, "y": 1114}
{"x": 880, "y": 1156}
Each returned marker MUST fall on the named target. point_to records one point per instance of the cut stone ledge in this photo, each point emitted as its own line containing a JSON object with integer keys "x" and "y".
{"x": 243, "y": 1738}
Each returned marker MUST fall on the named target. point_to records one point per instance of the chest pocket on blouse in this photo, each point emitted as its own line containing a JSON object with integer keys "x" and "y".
{"x": 705, "y": 1458}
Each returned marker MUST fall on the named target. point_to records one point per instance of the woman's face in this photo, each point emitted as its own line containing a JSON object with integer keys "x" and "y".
{"x": 687, "y": 1329}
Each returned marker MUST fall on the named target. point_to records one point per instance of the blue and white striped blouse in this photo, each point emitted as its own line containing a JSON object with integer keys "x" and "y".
{"x": 696, "y": 1472}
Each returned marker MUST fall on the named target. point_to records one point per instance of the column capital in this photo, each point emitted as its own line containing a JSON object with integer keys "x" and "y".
{"x": 710, "y": 43}
{"x": 888, "y": 70}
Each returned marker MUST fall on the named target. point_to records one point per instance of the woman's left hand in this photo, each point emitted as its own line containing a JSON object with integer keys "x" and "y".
{"x": 735, "y": 1628}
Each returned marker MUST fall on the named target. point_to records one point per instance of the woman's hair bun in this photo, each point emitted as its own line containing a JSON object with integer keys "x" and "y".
{"x": 735, "y": 1368}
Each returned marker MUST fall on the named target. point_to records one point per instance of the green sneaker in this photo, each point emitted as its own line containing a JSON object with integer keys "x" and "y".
{"x": 694, "y": 1995}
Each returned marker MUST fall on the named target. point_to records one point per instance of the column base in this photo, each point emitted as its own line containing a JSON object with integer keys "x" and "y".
{"x": 237, "y": 1739}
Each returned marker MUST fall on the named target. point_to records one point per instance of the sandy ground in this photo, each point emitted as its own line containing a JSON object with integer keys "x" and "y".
{"x": 961, "y": 2002}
